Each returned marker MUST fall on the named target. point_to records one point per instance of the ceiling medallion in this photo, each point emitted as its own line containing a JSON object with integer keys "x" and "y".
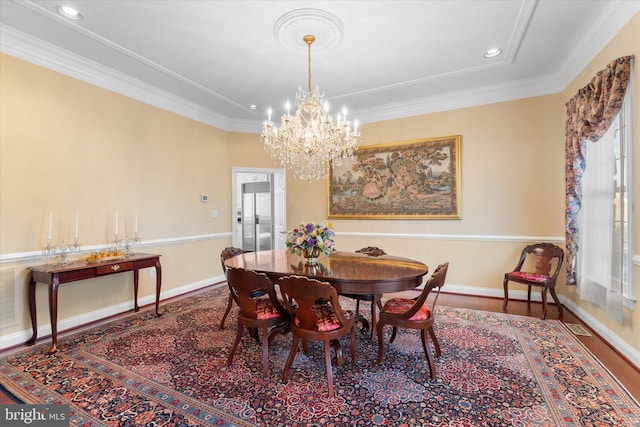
{"x": 291, "y": 27}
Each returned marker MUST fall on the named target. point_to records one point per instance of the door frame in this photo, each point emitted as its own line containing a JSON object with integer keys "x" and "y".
{"x": 279, "y": 203}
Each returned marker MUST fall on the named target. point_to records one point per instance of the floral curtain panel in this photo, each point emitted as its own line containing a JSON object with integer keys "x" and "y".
{"x": 589, "y": 115}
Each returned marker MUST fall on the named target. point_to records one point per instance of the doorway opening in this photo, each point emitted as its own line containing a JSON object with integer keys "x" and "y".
{"x": 259, "y": 206}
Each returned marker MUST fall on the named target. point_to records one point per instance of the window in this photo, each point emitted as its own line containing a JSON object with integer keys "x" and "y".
{"x": 605, "y": 266}
{"x": 623, "y": 197}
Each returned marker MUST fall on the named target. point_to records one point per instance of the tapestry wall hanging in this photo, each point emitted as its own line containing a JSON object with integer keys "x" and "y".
{"x": 418, "y": 179}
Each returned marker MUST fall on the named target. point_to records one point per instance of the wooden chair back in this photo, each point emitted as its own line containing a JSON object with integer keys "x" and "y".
{"x": 547, "y": 256}
{"x": 258, "y": 313}
{"x": 227, "y": 253}
{"x": 301, "y": 295}
{"x": 434, "y": 284}
{"x": 316, "y": 315}
{"x": 374, "y": 299}
{"x": 246, "y": 287}
{"x": 371, "y": 251}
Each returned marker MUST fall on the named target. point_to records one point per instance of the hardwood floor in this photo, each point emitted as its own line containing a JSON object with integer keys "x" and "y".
{"x": 625, "y": 372}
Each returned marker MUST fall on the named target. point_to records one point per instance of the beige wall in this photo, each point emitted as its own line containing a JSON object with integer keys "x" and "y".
{"x": 69, "y": 146}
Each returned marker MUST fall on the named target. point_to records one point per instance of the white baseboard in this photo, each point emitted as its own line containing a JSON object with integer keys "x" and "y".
{"x": 614, "y": 340}
{"x": 17, "y": 338}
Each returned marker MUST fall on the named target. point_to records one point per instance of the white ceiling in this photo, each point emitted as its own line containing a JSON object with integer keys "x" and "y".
{"x": 209, "y": 60}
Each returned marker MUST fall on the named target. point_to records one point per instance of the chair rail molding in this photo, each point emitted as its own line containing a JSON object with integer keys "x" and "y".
{"x": 34, "y": 255}
{"x": 431, "y": 236}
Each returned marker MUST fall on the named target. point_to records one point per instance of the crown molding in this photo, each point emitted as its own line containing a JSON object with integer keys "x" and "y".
{"x": 539, "y": 86}
{"x": 615, "y": 16}
{"x": 39, "y": 52}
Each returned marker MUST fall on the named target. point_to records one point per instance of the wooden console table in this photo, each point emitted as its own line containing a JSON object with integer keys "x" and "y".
{"x": 55, "y": 275}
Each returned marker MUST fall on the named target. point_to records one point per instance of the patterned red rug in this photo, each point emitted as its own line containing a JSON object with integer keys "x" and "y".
{"x": 495, "y": 370}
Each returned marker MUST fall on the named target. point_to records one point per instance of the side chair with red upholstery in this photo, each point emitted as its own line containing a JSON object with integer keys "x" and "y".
{"x": 227, "y": 253}
{"x": 539, "y": 275}
{"x": 316, "y": 315}
{"x": 414, "y": 314}
{"x": 259, "y": 309}
{"x": 371, "y": 251}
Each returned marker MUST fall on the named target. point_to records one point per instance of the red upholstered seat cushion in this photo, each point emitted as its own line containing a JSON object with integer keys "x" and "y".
{"x": 401, "y": 305}
{"x": 326, "y": 317}
{"x": 265, "y": 310}
{"x": 538, "y": 278}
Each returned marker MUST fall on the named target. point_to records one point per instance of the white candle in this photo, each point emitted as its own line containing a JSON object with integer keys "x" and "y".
{"x": 77, "y": 220}
{"x": 116, "y": 231}
{"x": 50, "y": 223}
{"x": 136, "y": 222}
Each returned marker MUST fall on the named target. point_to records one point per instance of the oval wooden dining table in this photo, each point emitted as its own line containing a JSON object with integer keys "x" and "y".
{"x": 348, "y": 272}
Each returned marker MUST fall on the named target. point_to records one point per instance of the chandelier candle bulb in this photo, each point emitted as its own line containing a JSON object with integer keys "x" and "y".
{"x": 50, "y": 224}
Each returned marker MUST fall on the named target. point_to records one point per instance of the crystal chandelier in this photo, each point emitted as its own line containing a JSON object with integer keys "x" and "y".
{"x": 310, "y": 140}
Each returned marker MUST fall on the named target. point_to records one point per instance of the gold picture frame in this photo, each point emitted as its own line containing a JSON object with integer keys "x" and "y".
{"x": 417, "y": 179}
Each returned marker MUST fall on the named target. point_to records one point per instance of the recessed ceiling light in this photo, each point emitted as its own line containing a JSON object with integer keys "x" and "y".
{"x": 68, "y": 12}
{"x": 491, "y": 53}
{"x": 253, "y": 107}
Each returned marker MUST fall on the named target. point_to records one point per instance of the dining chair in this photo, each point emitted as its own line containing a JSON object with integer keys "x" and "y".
{"x": 316, "y": 315}
{"x": 374, "y": 299}
{"x": 414, "y": 294}
{"x": 259, "y": 310}
{"x": 414, "y": 314}
{"x": 534, "y": 268}
{"x": 227, "y": 253}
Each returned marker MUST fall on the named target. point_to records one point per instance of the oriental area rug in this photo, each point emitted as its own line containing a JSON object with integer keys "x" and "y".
{"x": 495, "y": 370}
